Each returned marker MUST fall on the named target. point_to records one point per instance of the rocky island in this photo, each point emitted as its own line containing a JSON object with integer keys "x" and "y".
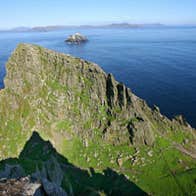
{"x": 77, "y": 38}
{"x": 69, "y": 128}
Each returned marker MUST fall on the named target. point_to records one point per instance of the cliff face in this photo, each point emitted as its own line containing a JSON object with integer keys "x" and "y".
{"x": 81, "y": 109}
{"x": 62, "y": 89}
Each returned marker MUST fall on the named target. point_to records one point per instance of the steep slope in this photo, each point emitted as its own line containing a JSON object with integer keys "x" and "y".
{"x": 94, "y": 120}
{"x": 40, "y": 160}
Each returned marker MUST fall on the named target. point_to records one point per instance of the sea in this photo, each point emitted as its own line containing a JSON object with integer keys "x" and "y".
{"x": 157, "y": 63}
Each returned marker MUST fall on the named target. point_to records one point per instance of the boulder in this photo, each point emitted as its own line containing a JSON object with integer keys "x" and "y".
{"x": 21, "y": 186}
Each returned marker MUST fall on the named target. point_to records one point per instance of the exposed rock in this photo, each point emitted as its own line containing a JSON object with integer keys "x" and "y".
{"x": 143, "y": 159}
{"x": 33, "y": 188}
{"x": 86, "y": 144}
{"x": 140, "y": 132}
{"x": 180, "y": 161}
{"x": 150, "y": 153}
{"x": 25, "y": 186}
{"x": 120, "y": 162}
{"x": 182, "y": 121}
{"x": 22, "y": 186}
{"x": 111, "y": 90}
{"x": 77, "y": 38}
{"x": 156, "y": 108}
{"x": 186, "y": 141}
{"x": 96, "y": 154}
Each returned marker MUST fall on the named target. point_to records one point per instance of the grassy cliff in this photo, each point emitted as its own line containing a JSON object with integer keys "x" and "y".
{"x": 94, "y": 121}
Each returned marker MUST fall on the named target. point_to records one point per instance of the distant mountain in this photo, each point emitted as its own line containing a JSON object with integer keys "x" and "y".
{"x": 61, "y": 27}
{"x": 49, "y": 28}
{"x": 124, "y": 25}
{"x": 37, "y": 29}
{"x": 113, "y": 25}
{"x": 19, "y": 29}
{"x": 153, "y": 25}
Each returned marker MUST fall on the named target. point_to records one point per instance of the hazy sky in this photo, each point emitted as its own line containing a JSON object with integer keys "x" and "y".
{"x": 66, "y": 12}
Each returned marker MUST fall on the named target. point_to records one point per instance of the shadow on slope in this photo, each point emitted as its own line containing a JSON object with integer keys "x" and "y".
{"x": 39, "y": 158}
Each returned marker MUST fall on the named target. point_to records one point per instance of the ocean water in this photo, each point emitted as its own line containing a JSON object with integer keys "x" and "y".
{"x": 158, "y": 64}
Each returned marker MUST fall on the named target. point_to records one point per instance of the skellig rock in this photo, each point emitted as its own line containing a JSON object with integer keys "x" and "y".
{"x": 77, "y": 38}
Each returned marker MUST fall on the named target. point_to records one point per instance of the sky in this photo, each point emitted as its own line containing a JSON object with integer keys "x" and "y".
{"x": 14, "y": 13}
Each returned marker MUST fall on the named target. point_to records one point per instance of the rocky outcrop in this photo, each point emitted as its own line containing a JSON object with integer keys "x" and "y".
{"x": 77, "y": 38}
{"x": 21, "y": 186}
{"x": 27, "y": 186}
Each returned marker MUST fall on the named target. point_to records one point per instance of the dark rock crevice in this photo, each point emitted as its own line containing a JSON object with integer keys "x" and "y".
{"x": 121, "y": 95}
{"x": 110, "y": 90}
